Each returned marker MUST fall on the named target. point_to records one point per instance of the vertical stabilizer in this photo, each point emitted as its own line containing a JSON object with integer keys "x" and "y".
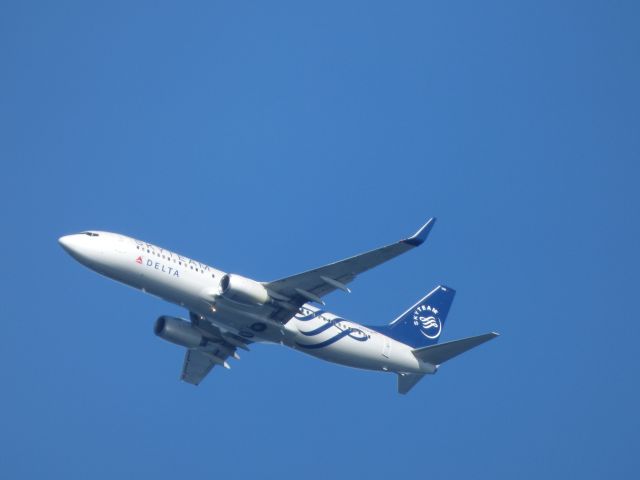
{"x": 422, "y": 324}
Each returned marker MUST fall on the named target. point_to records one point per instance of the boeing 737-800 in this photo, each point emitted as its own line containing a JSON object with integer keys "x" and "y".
{"x": 229, "y": 312}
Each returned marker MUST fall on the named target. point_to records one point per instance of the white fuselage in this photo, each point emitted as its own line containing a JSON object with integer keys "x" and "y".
{"x": 195, "y": 286}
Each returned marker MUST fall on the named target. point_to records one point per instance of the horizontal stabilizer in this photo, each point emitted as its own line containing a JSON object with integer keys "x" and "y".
{"x": 406, "y": 381}
{"x": 438, "y": 354}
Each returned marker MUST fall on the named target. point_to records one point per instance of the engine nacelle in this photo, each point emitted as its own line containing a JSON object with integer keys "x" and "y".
{"x": 243, "y": 290}
{"x": 178, "y": 331}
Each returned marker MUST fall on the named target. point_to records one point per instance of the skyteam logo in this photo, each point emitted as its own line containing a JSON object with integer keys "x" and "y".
{"x": 426, "y": 318}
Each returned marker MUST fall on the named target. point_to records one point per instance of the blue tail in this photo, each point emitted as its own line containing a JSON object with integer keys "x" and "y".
{"x": 422, "y": 324}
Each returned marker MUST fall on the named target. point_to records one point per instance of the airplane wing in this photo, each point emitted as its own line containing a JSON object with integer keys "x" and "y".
{"x": 199, "y": 362}
{"x": 298, "y": 289}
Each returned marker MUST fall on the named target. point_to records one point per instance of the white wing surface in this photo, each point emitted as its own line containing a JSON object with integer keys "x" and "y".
{"x": 312, "y": 285}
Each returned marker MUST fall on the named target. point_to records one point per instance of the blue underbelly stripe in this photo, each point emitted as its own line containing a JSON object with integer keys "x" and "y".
{"x": 318, "y": 330}
{"x": 326, "y": 343}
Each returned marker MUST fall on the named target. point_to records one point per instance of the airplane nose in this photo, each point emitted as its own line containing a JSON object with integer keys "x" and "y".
{"x": 83, "y": 248}
{"x": 67, "y": 242}
{"x": 64, "y": 241}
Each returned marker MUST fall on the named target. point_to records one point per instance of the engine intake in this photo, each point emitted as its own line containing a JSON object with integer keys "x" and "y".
{"x": 243, "y": 290}
{"x": 178, "y": 331}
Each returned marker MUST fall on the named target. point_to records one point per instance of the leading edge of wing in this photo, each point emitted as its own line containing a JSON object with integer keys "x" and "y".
{"x": 323, "y": 280}
{"x": 414, "y": 240}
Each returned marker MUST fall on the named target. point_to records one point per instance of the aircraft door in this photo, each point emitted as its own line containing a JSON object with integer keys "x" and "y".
{"x": 386, "y": 347}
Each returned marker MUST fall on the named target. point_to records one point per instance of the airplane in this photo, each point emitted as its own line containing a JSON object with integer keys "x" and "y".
{"x": 228, "y": 312}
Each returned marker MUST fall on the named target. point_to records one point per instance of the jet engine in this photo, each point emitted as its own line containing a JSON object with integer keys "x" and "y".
{"x": 243, "y": 290}
{"x": 178, "y": 331}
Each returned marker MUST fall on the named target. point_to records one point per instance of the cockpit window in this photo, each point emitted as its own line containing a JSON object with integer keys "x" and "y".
{"x": 91, "y": 234}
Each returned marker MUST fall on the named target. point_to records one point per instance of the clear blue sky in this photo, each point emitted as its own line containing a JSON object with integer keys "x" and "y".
{"x": 267, "y": 138}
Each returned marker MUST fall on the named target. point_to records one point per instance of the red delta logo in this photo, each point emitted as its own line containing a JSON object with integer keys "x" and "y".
{"x": 139, "y": 260}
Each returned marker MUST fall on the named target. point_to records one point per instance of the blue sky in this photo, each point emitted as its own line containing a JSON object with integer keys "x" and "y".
{"x": 267, "y": 138}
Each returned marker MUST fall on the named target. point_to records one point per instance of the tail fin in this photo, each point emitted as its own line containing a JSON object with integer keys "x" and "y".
{"x": 422, "y": 324}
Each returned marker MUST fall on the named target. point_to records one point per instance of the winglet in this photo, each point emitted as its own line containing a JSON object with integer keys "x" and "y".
{"x": 421, "y": 235}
